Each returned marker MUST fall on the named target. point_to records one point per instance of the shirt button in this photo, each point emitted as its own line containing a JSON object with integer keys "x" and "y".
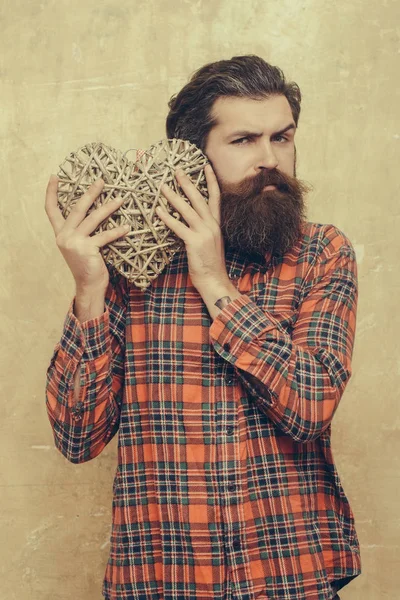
{"x": 231, "y": 487}
{"x": 226, "y": 346}
{"x": 229, "y": 379}
{"x": 78, "y": 408}
{"x": 230, "y": 430}
{"x": 236, "y": 542}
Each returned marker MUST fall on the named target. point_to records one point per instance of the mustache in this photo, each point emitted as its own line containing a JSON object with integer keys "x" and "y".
{"x": 255, "y": 185}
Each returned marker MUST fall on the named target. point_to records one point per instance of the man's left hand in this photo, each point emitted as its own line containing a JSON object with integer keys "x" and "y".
{"x": 201, "y": 231}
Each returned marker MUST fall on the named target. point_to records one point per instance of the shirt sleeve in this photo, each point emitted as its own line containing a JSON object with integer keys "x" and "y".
{"x": 297, "y": 378}
{"x": 82, "y": 429}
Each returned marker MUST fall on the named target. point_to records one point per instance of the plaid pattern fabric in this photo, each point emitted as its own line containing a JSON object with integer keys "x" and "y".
{"x": 226, "y": 485}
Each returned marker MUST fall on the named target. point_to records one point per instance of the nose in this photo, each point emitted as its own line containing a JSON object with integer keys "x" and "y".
{"x": 267, "y": 158}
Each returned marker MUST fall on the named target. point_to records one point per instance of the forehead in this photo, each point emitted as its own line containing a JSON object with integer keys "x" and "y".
{"x": 269, "y": 114}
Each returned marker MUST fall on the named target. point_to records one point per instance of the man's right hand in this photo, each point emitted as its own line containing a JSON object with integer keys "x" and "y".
{"x": 80, "y": 250}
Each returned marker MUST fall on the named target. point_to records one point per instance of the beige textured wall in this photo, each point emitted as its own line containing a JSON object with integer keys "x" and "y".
{"x": 79, "y": 71}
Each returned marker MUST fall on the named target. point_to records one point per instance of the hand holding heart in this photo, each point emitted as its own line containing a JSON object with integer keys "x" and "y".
{"x": 81, "y": 250}
{"x": 202, "y": 233}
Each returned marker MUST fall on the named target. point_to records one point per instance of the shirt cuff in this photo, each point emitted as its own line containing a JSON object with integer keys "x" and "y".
{"x": 87, "y": 340}
{"x": 237, "y": 326}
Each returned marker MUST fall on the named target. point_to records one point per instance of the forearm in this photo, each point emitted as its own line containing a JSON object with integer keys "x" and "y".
{"x": 85, "y": 377}
{"x": 301, "y": 399}
{"x": 88, "y": 304}
{"x": 298, "y": 387}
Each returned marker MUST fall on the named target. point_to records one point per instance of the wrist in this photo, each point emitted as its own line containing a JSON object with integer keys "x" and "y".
{"x": 218, "y": 295}
{"x": 90, "y": 291}
{"x": 89, "y": 303}
{"x": 218, "y": 286}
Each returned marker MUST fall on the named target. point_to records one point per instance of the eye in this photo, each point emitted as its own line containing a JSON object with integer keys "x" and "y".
{"x": 282, "y": 137}
{"x": 238, "y": 142}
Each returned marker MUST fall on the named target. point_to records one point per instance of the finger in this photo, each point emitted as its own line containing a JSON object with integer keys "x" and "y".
{"x": 79, "y": 210}
{"x": 214, "y": 193}
{"x": 97, "y": 216}
{"x": 184, "y": 209}
{"x": 194, "y": 196}
{"x": 176, "y": 226}
{"x": 110, "y": 235}
{"x": 51, "y": 207}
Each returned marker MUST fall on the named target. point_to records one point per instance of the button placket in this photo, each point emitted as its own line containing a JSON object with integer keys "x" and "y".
{"x": 232, "y": 486}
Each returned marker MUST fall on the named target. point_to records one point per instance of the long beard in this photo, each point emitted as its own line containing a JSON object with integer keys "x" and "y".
{"x": 256, "y": 221}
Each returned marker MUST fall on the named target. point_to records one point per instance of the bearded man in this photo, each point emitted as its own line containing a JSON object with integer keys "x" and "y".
{"x": 223, "y": 376}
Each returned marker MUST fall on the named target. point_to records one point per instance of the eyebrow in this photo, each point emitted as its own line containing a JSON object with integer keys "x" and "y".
{"x": 245, "y": 133}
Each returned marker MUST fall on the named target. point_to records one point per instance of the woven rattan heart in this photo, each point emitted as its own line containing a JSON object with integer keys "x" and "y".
{"x": 144, "y": 252}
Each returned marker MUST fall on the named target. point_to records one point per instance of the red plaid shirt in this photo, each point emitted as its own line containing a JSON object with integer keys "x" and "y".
{"x": 226, "y": 485}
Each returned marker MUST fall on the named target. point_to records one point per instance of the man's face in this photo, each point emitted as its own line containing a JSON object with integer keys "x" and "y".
{"x": 252, "y": 151}
{"x": 235, "y": 156}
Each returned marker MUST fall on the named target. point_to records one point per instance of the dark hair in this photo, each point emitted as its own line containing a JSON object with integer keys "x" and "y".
{"x": 248, "y": 76}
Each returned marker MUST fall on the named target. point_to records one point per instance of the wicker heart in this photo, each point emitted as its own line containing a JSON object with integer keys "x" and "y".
{"x": 144, "y": 252}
